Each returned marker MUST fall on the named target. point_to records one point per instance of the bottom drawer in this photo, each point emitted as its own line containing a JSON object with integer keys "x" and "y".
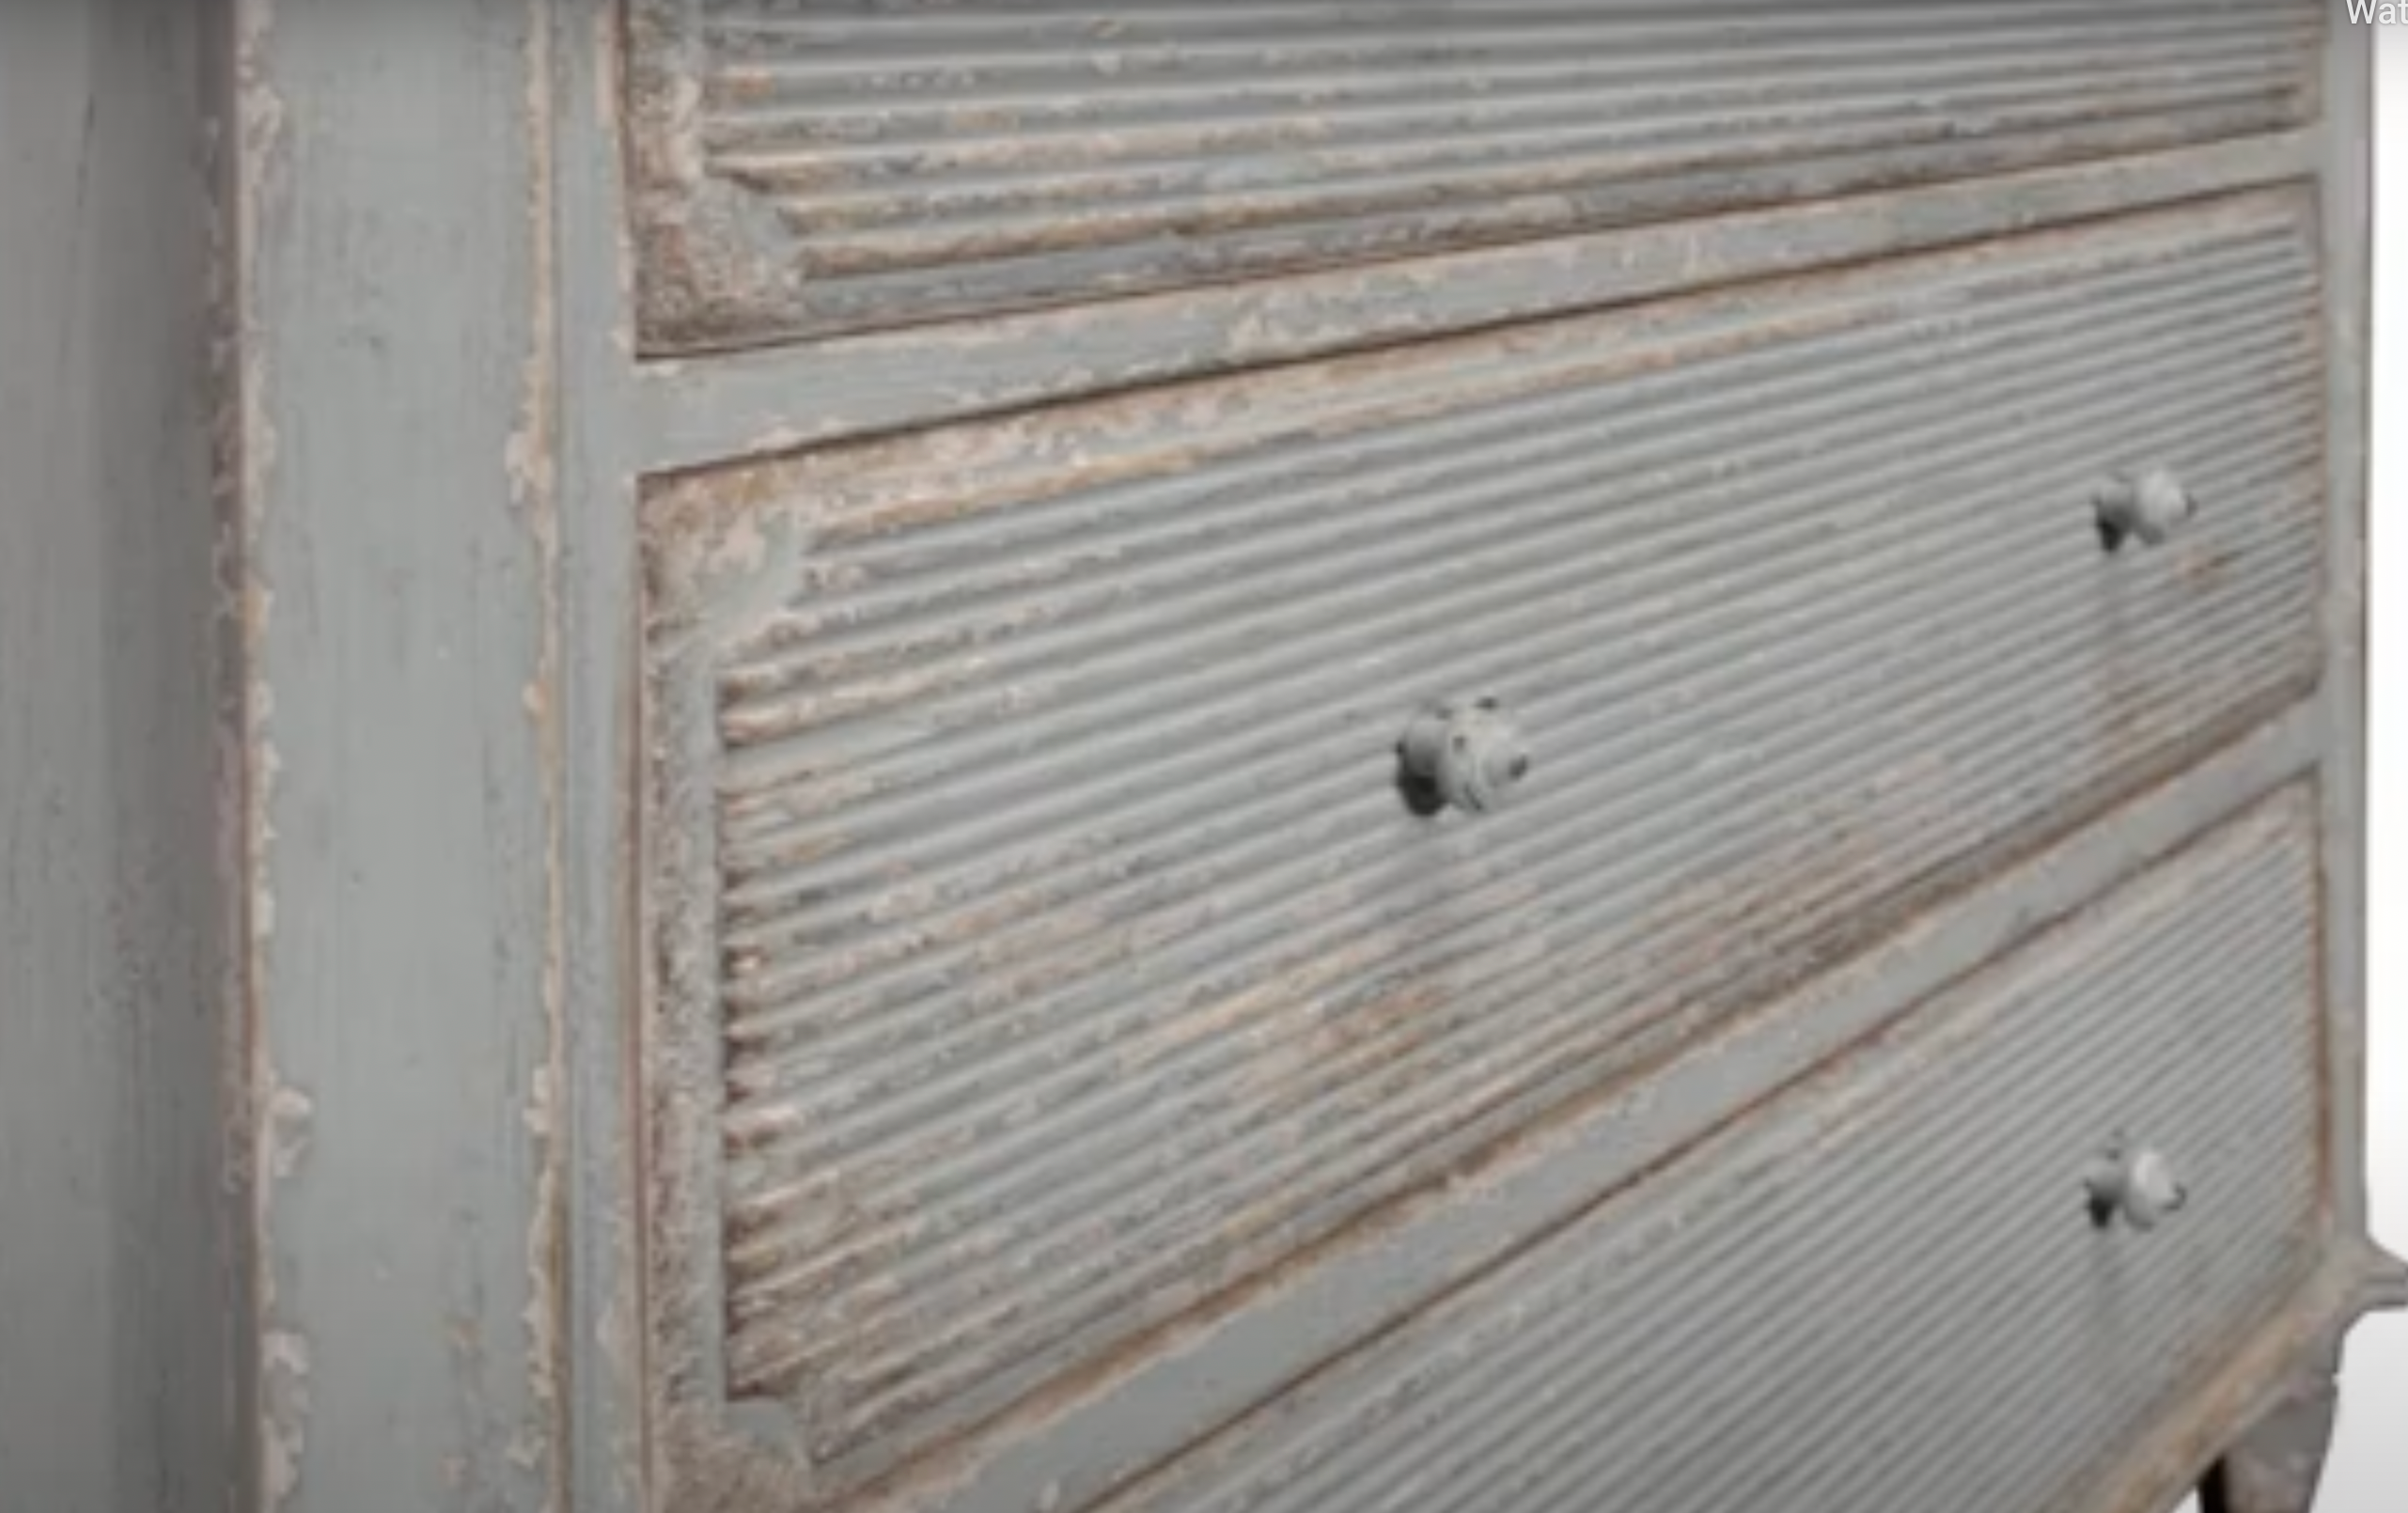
{"x": 1889, "y": 1289}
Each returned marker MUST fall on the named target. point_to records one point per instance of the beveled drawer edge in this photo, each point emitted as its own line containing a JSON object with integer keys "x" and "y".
{"x": 690, "y": 412}
{"x": 2356, "y": 1277}
{"x": 1918, "y": 1178}
{"x": 1287, "y": 1323}
{"x": 771, "y": 204}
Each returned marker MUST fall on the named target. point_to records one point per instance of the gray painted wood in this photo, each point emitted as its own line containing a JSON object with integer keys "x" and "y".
{"x": 690, "y": 412}
{"x": 2346, "y": 182}
{"x": 1033, "y": 890}
{"x": 1897, "y": 1248}
{"x": 113, "y": 1323}
{"x": 1209, "y": 1372}
{"x": 400, "y": 1015}
{"x": 608, "y": 1402}
{"x": 806, "y": 168}
{"x": 437, "y": 445}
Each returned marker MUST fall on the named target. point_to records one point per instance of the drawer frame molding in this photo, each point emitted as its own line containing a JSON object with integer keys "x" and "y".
{"x": 437, "y": 1208}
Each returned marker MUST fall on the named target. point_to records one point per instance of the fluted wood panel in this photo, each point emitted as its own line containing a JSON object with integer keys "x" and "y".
{"x": 809, "y": 166}
{"x": 1047, "y": 946}
{"x": 1886, "y": 1294}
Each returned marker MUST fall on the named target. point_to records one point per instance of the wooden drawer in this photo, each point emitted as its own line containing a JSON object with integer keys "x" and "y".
{"x": 803, "y": 167}
{"x": 1889, "y": 1290}
{"x": 832, "y": 929}
{"x": 1047, "y": 947}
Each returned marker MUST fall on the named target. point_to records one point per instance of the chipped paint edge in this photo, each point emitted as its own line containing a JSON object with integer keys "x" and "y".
{"x": 711, "y": 251}
{"x": 2345, "y": 187}
{"x": 531, "y": 463}
{"x": 267, "y": 1122}
{"x": 691, "y": 413}
{"x": 717, "y": 1460}
{"x": 727, "y": 268}
{"x": 606, "y": 1409}
{"x": 2177, "y": 1454}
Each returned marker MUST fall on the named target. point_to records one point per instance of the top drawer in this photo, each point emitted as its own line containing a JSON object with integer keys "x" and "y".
{"x": 806, "y": 168}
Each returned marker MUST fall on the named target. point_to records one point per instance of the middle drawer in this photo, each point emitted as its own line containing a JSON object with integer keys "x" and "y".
{"x": 1078, "y": 952}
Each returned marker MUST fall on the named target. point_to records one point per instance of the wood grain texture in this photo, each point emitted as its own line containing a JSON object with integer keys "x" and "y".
{"x": 112, "y": 1324}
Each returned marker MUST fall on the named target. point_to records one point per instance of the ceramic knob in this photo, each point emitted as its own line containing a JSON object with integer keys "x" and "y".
{"x": 2146, "y": 507}
{"x": 1469, "y": 754}
{"x": 2135, "y": 1185}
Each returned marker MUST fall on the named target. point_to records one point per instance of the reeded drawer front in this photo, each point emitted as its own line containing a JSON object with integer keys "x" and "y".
{"x": 1048, "y": 943}
{"x": 811, "y": 167}
{"x": 1890, "y": 1290}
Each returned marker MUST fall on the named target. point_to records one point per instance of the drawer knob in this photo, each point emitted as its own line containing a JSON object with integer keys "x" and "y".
{"x": 2135, "y": 1183}
{"x": 2146, "y": 507}
{"x": 1467, "y": 754}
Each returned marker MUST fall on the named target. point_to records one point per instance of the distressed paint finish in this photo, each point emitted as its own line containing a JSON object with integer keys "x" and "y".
{"x": 805, "y": 166}
{"x": 1067, "y": 1451}
{"x": 1914, "y": 1208}
{"x": 114, "y": 1340}
{"x": 2276, "y": 1465}
{"x": 389, "y": 470}
{"x": 1045, "y": 950}
{"x": 604, "y": 1421}
{"x": 702, "y": 411}
{"x": 2345, "y": 193}
{"x": 453, "y": 884}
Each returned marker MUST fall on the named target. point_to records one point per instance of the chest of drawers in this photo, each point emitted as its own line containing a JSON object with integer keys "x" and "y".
{"x": 1316, "y": 755}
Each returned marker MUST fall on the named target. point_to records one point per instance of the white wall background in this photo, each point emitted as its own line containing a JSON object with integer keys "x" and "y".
{"x": 2369, "y": 1472}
